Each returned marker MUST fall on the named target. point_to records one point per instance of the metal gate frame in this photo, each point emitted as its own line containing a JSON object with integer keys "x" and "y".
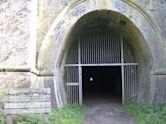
{"x": 128, "y": 81}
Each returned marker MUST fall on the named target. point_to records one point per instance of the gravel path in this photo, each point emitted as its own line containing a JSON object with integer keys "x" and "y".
{"x": 100, "y": 110}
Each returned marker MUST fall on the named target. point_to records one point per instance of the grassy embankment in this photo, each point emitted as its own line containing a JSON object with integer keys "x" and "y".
{"x": 144, "y": 114}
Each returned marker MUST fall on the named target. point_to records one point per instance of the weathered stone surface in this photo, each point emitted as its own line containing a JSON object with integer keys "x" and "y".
{"x": 160, "y": 90}
{"x": 14, "y": 33}
{"x": 13, "y": 80}
{"x": 48, "y": 12}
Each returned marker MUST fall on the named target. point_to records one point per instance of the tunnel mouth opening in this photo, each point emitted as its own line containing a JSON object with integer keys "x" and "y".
{"x": 102, "y": 83}
{"x": 100, "y": 44}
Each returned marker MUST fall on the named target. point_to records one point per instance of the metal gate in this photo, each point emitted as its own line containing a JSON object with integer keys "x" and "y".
{"x": 101, "y": 48}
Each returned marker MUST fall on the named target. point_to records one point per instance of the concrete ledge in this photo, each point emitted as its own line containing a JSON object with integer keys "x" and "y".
{"x": 161, "y": 71}
{"x": 15, "y": 69}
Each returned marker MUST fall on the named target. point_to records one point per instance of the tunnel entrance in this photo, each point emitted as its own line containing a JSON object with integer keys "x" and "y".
{"x": 107, "y": 56}
{"x": 102, "y": 82}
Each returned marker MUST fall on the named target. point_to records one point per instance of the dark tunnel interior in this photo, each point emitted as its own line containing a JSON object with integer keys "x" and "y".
{"x": 102, "y": 81}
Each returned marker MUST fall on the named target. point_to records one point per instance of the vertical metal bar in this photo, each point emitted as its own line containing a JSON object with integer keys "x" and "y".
{"x": 90, "y": 49}
{"x": 127, "y": 83}
{"x": 134, "y": 82}
{"x": 75, "y": 80}
{"x": 85, "y": 51}
{"x": 94, "y": 48}
{"x": 69, "y": 94}
{"x": 99, "y": 44}
{"x": 80, "y": 74}
{"x": 119, "y": 53}
{"x": 112, "y": 48}
{"x": 71, "y": 97}
{"x": 115, "y": 50}
{"x": 122, "y": 67}
{"x": 129, "y": 75}
{"x": 92, "y": 45}
{"x": 108, "y": 49}
{"x": 72, "y": 94}
{"x": 104, "y": 50}
{"x": 98, "y": 47}
{"x": 75, "y": 91}
{"x": 135, "y": 78}
{"x": 82, "y": 52}
{"x": 124, "y": 53}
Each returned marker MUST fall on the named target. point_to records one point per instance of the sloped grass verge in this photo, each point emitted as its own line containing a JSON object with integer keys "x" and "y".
{"x": 69, "y": 114}
{"x": 144, "y": 114}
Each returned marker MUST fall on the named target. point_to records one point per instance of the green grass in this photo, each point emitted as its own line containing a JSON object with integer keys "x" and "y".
{"x": 144, "y": 114}
{"x": 29, "y": 119}
{"x": 69, "y": 114}
{"x": 1, "y": 119}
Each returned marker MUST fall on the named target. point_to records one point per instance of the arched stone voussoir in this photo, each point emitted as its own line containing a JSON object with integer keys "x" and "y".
{"x": 56, "y": 39}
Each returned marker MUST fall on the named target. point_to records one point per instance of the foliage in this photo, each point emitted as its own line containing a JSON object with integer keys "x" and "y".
{"x": 2, "y": 121}
{"x": 29, "y": 119}
{"x": 69, "y": 114}
{"x": 144, "y": 114}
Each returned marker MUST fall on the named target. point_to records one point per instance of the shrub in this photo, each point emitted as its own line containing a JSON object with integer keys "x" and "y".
{"x": 2, "y": 121}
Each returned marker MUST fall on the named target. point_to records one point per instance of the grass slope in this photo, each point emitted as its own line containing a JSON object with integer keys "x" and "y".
{"x": 144, "y": 114}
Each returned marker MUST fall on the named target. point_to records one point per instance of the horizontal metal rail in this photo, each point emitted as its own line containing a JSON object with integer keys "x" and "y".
{"x": 114, "y": 64}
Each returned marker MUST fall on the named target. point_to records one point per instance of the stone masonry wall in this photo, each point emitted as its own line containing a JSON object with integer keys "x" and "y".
{"x": 15, "y": 42}
{"x": 15, "y": 33}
